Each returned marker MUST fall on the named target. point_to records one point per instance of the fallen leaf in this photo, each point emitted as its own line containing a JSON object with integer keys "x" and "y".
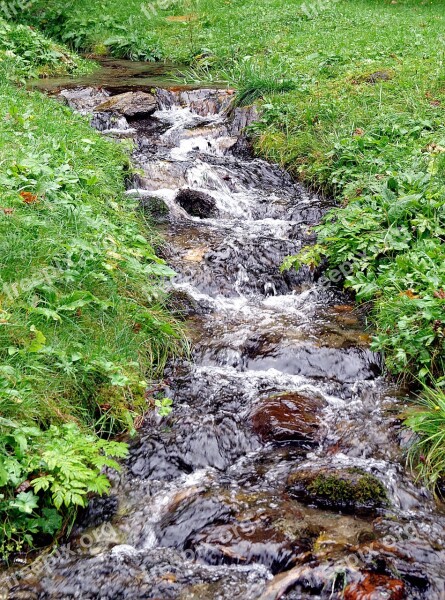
{"x": 23, "y": 487}
{"x": 433, "y": 148}
{"x": 181, "y": 18}
{"x": 170, "y": 577}
{"x": 342, "y": 308}
{"x": 29, "y": 197}
{"x": 195, "y": 254}
{"x": 409, "y": 294}
{"x": 138, "y": 422}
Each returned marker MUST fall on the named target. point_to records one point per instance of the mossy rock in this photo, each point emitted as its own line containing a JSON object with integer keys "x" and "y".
{"x": 155, "y": 207}
{"x": 352, "y": 490}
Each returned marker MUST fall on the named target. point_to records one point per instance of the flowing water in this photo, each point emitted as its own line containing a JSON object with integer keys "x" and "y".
{"x": 218, "y": 500}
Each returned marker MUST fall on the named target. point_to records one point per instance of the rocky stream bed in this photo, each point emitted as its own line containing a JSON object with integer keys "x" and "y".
{"x": 280, "y": 472}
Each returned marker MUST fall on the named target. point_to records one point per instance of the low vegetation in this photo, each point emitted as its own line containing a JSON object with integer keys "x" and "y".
{"x": 82, "y": 316}
{"x": 427, "y": 456}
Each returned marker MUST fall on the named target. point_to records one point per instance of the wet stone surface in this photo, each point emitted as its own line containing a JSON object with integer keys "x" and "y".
{"x": 279, "y": 473}
{"x": 286, "y": 418}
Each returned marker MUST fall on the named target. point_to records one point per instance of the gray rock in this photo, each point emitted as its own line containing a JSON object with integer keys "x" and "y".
{"x": 84, "y": 100}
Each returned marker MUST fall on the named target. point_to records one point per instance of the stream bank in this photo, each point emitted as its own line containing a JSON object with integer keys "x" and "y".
{"x": 280, "y": 472}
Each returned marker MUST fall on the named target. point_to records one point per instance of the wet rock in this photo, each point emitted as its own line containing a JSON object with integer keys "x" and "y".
{"x": 184, "y": 305}
{"x": 149, "y": 131}
{"x": 243, "y": 147}
{"x": 155, "y": 207}
{"x": 242, "y": 117}
{"x": 205, "y": 101}
{"x": 197, "y": 204}
{"x": 130, "y": 104}
{"x": 235, "y": 265}
{"x": 100, "y": 509}
{"x": 105, "y": 122}
{"x": 247, "y": 543}
{"x": 218, "y": 528}
{"x": 286, "y": 418}
{"x": 158, "y": 573}
{"x": 342, "y": 489}
{"x": 25, "y": 592}
{"x": 84, "y": 99}
{"x": 190, "y": 517}
{"x": 192, "y": 443}
{"x": 391, "y": 554}
{"x": 375, "y": 587}
{"x": 306, "y": 580}
{"x": 342, "y": 365}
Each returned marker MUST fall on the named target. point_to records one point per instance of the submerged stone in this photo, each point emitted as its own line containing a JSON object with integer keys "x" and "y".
{"x": 247, "y": 543}
{"x": 342, "y": 489}
{"x": 375, "y": 587}
{"x": 286, "y": 418}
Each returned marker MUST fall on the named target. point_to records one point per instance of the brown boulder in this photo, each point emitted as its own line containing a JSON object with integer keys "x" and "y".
{"x": 247, "y": 543}
{"x": 286, "y": 417}
{"x": 130, "y": 104}
{"x": 197, "y": 204}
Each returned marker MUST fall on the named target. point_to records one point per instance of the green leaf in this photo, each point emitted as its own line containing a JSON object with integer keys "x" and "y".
{"x": 77, "y": 300}
{"x": 46, "y": 312}
{"x": 25, "y": 502}
{"x": 38, "y": 342}
{"x": 51, "y": 522}
{"x": 4, "y": 476}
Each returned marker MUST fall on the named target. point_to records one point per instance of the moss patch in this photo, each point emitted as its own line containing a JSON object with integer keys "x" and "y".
{"x": 349, "y": 489}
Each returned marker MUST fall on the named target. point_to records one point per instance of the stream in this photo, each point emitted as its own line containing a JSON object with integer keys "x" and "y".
{"x": 280, "y": 472}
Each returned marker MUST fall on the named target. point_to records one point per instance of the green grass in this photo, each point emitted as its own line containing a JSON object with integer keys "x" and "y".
{"x": 25, "y": 52}
{"x": 83, "y": 321}
{"x": 427, "y": 421}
